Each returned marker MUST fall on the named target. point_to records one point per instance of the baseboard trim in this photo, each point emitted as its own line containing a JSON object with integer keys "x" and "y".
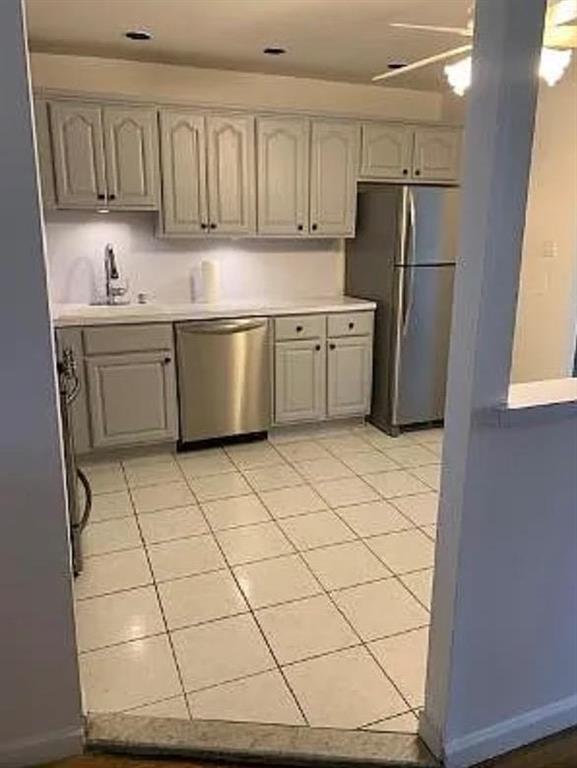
{"x": 510, "y": 734}
{"x": 431, "y": 735}
{"x": 54, "y": 745}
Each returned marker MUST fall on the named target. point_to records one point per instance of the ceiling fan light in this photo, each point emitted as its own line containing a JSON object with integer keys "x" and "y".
{"x": 553, "y": 64}
{"x": 459, "y": 75}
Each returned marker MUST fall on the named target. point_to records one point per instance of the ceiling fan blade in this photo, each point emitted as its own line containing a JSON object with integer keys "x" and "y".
{"x": 560, "y": 37}
{"x": 561, "y": 13}
{"x": 463, "y": 31}
{"x": 423, "y": 63}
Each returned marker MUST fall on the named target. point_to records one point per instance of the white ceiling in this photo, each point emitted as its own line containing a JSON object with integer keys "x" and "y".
{"x": 346, "y": 40}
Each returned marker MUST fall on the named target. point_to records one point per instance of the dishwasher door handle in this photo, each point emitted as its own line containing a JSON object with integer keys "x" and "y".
{"x": 219, "y": 326}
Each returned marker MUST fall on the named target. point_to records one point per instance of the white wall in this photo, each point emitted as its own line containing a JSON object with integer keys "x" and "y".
{"x": 40, "y": 717}
{"x": 547, "y": 311}
{"x": 170, "y": 269}
{"x": 223, "y": 87}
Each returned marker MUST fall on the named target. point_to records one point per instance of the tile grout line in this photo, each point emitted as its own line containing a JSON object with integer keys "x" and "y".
{"x": 162, "y": 612}
{"x": 354, "y": 630}
{"x": 283, "y": 461}
{"x": 262, "y": 633}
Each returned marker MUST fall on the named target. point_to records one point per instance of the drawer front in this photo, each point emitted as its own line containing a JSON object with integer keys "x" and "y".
{"x": 127, "y": 338}
{"x": 351, "y": 324}
{"x": 299, "y": 327}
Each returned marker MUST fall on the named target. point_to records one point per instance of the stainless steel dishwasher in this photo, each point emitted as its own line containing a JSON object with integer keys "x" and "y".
{"x": 223, "y": 378}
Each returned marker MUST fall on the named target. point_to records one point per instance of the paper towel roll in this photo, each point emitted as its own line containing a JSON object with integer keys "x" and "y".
{"x": 210, "y": 281}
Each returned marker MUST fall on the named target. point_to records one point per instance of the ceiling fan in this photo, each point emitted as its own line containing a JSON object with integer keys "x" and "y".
{"x": 559, "y": 37}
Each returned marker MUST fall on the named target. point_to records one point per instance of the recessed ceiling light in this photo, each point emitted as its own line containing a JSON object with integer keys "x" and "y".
{"x": 396, "y": 64}
{"x": 274, "y": 50}
{"x": 138, "y": 34}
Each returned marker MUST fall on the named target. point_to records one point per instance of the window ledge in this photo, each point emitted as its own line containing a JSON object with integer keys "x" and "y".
{"x": 536, "y": 402}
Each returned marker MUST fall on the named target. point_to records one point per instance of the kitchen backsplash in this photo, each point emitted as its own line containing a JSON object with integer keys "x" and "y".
{"x": 169, "y": 270}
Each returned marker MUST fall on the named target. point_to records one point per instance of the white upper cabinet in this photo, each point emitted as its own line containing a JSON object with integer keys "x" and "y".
{"x": 183, "y": 153}
{"x": 437, "y": 153}
{"x": 44, "y": 154}
{"x": 78, "y": 147}
{"x": 334, "y": 157}
{"x": 386, "y": 151}
{"x": 231, "y": 174}
{"x": 104, "y": 155}
{"x": 407, "y": 152}
{"x": 283, "y": 173}
{"x": 131, "y": 150}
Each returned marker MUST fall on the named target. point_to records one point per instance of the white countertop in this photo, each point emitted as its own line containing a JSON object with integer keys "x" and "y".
{"x": 536, "y": 402}
{"x": 539, "y": 393}
{"x": 66, "y": 315}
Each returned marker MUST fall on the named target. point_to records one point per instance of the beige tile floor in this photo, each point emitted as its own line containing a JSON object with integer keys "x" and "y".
{"x": 284, "y": 581}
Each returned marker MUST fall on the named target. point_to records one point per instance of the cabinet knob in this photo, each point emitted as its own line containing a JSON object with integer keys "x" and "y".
{"x": 203, "y": 225}
{"x": 317, "y": 347}
{"x": 314, "y": 227}
{"x": 299, "y": 328}
{"x": 167, "y": 360}
{"x": 405, "y": 171}
{"x": 417, "y": 172}
{"x": 351, "y": 326}
{"x": 101, "y": 196}
{"x": 300, "y": 227}
{"x": 112, "y": 197}
{"x": 332, "y": 346}
{"x": 212, "y": 225}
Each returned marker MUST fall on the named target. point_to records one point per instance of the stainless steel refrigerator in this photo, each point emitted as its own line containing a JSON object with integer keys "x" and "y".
{"x": 403, "y": 257}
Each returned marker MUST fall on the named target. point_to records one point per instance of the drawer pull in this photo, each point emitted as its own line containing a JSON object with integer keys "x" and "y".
{"x": 299, "y": 328}
{"x": 167, "y": 360}
{"x": 332, "y": 346}
{"x": 317, "y": 347}
{"x": 351, "y": 326}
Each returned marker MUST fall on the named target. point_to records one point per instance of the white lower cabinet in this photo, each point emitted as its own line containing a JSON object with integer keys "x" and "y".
{"x": 132, "y": 398}
{"x": 316, "y": 378}
{"x": 349, "y": 363}
{"x": 299, "y": 381}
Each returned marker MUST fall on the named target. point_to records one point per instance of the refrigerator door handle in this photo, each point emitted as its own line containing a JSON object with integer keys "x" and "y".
{"x": 398, "y": 325}
{"x": 410, "y": 268}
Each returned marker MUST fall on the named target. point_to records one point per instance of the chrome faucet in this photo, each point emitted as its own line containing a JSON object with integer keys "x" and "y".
{"x": 113, "y": 292}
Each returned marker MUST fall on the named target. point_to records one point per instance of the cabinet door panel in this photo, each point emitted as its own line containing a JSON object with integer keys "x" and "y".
{"x": 349, "y": 376}
{"x": 131, "y": 144}
{"x": 386, "y": 151}
{"x": 334, "y": 148}
{"x": 78, "y": 154}
{"x": 44, "y": 153}
{"x": 299, "y": 381}
{"x": 132, "y": 398}
{"x": 184, "y": 199}
{"x": 437, "y": 154}
{"x": 283, "y": 172}
{"x": 231, "y": 174}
